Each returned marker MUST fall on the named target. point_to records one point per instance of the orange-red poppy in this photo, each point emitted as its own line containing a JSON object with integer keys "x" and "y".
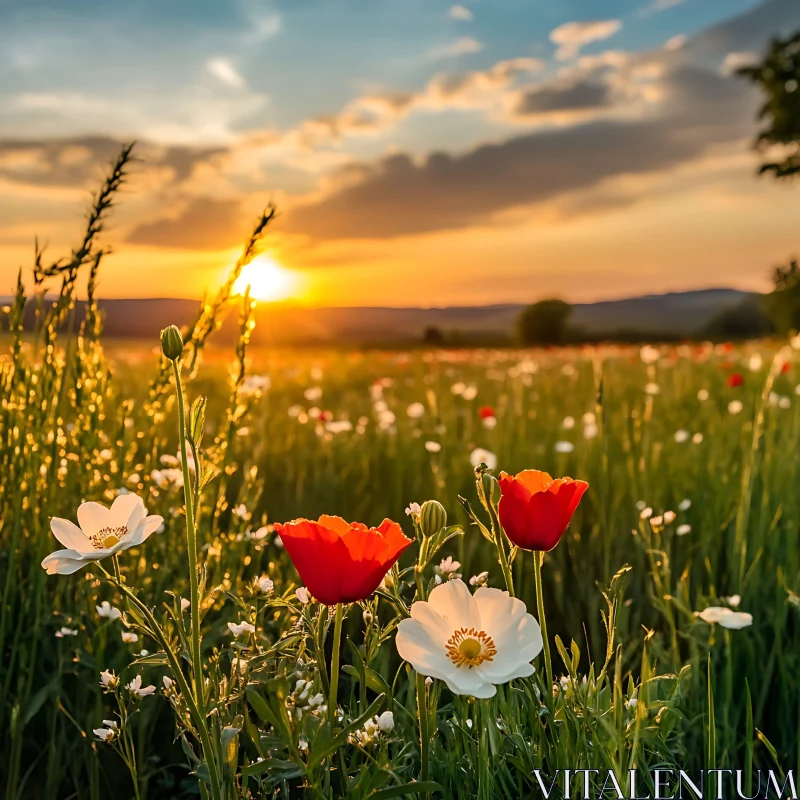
{"x": 342, "y": 562}
{"x": 735, "y": 380}
{"x": 535, "y": 510}
{"x": 484, "y": 412}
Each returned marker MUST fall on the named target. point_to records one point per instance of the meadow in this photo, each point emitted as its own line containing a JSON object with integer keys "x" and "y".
{"x": 671, "y": 600}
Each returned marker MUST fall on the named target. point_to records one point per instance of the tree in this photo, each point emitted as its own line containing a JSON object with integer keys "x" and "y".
{"x": 783, "y": 304}
{"x": 778, "y": 76}
{"x": 433, "y": 336}
{"x": 544, "y": 322}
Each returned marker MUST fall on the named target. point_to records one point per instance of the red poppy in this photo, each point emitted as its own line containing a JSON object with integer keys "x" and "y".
{"x": 785, "y": 367}
{"x": 484, "y": 412}
{"x": 342, "y": 562}
{"x": 535, "y": 510}
{"x": 735, "y": 380}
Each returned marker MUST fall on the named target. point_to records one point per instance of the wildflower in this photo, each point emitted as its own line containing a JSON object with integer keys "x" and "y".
{"x": 62, "y": 632}
{"x": 490, "y": 423}
{"x": 685, "y": 504}
{"x": 106, "y": 610}
{"x": 703, "y": 395}
{"x": 167, "y": 681}
{"x": 339, "y": 426}
{"x": 669, "y": 517}
{"x": 535, "y": 510}
{"x": 448, "y": 568}
{"x": 108, "y": 680}
{"x": 240, "y": 511}
{"x": 481, "y": 579}
{"x": 433, "y": 447}
{"x": 755, "y": 363}
{"x": 255, "y": 385}
{"x": 264, "y": 584}
{"x": 313, "y": 394}
{"x": 185, "y": 603}
{"x": 432, "y": 517}
{"x": 342, "y": 562}
{"x": 102, "y": 532}
{"x": 480, "y": 456}
{"x": 135, "y": 687}
{"x": 413, "y": 509}
{"x": 681, "y": 436}
{"x": 129, "y": 638}
{"x": 568, "y": 423}
{"x": 734, "y": 600}
{"x": 237, "y": 629}
{"x": 471, "y": 642}
{"x": 486, "y": 412}
{"x": 735, "y": 406}
{"x": 649, "y": 354}
{"x": 735, "y": 379}
{"x": 470, "y": 393}
{"x": 108, "y": 733}
{"x": 697, "y": 438}
{"x": 302, "y": 595}
{"x": 386, "y": 722}
{"x": 458, "y": 388}
{"x": 656, "y": 522}
{"x": 564, "y": 447}
{"x": 590, "y": 430}
{"x": 682, "y": 530}
{"x": 647, "y": 512}
{"x": 652, "y": 389}
{"x": 732, "y": 620}
{"x": 416, "y": 411}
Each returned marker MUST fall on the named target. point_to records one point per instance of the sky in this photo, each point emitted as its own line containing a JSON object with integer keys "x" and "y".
{"x": 419, "y": 153}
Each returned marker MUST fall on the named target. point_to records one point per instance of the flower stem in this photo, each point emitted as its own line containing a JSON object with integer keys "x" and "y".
{"x": 538, "y": 560}
{"x": 191, "y": 541}
{"x": 334, "y": 683}
{"x": 424, "y": 735}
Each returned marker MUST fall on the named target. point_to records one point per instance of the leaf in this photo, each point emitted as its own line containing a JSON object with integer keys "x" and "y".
{"x": 415, "y": 787}
{"x": 153, "y": 659}
{"x": 208, "y": 476}
{"x": 230, "y": 745}
{"x": 324, "y": 744}
{"x": 197, "y": 420}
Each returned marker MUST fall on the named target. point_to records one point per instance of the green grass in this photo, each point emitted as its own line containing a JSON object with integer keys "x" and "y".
{"x": 77, "y": 422}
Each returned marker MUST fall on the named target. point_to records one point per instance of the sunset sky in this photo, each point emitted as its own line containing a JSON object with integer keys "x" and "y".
{"x": 419, "y": 152}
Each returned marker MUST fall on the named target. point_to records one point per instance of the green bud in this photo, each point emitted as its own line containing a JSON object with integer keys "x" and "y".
{"x": 172, "y": 343}
{"x": 432, "y": 517}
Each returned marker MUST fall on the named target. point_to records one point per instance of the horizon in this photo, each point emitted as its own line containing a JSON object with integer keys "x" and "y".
{"x": 465, "y": 155}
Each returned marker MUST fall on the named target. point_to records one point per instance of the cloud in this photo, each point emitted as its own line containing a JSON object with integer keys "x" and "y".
{"x": 572, "y": 36}
{"x": 460, "y": 47}
{"x": 460, "y": 13}
{"x": 659, "y": 5}
{"x": 203, "y": 224}
{"x": 222, "y": 69}
{"x": 573, "y": 96}
{"x": 734, "y": 61}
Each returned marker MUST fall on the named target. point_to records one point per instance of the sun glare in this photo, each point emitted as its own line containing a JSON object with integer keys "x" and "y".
{"x": 268, "y": 280}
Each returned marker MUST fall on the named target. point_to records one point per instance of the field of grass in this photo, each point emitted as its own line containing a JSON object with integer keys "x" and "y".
{"x": 693, "y": 503}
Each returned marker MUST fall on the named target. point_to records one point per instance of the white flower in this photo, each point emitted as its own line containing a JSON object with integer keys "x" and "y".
{"x": 656, "y": 522}
{"x": 339, "y": 426}
{"x": 682, "y": 530}
{"x": 386, "y": 722}
{"x": 108, "y": 679}
{"x": 61, "y": 633}
{"x": 241, "y": 511}
{"x": 564, "y": 447}
{"x": 568, "y": 423}
{"x": 733, "y": 620}
{"x": 448, "y": 568}
{"x": 302, "y": 595}
{"x": 458, "y": 388}
{"x": 703, "y": 395}
{"x": 590, "y": 430}
{"x": 481, "y": 456}
{"x": 416, "y": 411}
{"x": 471, "y": 642}
{"x": 490, "y": 423}
{"x": 470, "y": 393}
{"x": 755, "y": 363}
{"x": 107, "y": 734}
{"x": 102, "y": 532}
{"x": 697, "y": 438}
{"x": 135, "y": 687}
{"x": 685, "y": 504}
{"x": 129, "y": 638}
{"x": 105, "y": 609}
{"x": 481, "y": 579}
{"x": 255, "y": 385}
{"x": 646, "y": 513}
{"x": 237, "y": 629}
{"x": 649, "y": 354}
{"x": 264, "y": 584}
{"x": 185, "y": 604}
{"x": 313, "y": 394}
{"x": 681, "y": 436}
{"x": 412, "y": 509}
{"x": 735, "y": 406}
{"x": 652, "y": 389}
{"x": 632, "y": 702}
{"x": 734, "y": 600}
{"x": 167, "y": 681}
{"x": 433, "y": 447}
{"x": 669, "y": 517}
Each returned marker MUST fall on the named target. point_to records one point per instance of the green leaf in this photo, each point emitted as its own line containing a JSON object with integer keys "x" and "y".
{"x": 415, "y": 787}
{"x": 324, "y": 744}
{"x": 197, "y": 420}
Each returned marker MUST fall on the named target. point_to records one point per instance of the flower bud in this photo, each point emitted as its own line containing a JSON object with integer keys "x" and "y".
{"x": 171, "y": 343}
{"x": 432, "y": 517}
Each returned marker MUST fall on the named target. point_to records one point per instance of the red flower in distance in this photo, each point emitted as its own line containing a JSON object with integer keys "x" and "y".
{"x": 342, "y": 562}
{"x": 484, "y": 412}
{"x": 535, "y": 510}
{"x": 735, "y": 380}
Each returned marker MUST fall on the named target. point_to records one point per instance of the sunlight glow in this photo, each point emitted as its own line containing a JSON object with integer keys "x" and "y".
{"x": 268, "y": 280}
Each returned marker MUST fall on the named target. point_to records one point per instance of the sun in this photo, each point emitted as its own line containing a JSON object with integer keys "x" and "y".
{"x": 268, "y": 280}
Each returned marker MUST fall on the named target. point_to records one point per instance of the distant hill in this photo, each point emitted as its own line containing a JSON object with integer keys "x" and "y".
{"x": 675, "y": 314}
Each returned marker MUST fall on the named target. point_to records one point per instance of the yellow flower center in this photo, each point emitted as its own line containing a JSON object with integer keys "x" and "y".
{"x": 107, "y": 537}
{"x": 470, "y": 647}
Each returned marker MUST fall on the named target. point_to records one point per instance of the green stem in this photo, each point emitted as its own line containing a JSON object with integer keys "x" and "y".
{"x": 194, "y": 711}
{"x": 334, "y": 684}
{"x": 424, "y": 734}
{"x": 538, "y": 560}
{"x": 191, "y": 541}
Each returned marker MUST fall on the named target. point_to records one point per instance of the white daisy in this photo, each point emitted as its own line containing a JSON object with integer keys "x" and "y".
{"x": 471, "y": 642}
{"x": 103, "y": 532}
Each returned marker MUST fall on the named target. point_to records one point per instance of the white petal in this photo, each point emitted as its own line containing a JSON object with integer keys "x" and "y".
{"x": 127, "y": 510}
{"x": 70, "y": 535}
{"x": 455, "y": 603}
{"x": 422, "y": 647}
{"x": 92, "y": 517}
{"x": 148, "y": 526}
{"x": 490, "y": 671}
{"x": 462, "y": 681}
{"x": 63, "y": 562}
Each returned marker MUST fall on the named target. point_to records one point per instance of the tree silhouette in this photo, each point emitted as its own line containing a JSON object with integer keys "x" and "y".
{"x": 778, "y": 76}
{"x": 544, "y": 322}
